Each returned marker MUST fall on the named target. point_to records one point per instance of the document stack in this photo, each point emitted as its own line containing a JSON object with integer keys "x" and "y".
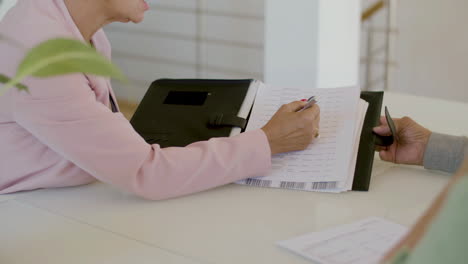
{"x": 329, "y": 163}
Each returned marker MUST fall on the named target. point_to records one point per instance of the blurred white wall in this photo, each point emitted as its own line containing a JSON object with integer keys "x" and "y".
{"x": 312, "y": 43}
{"x": 432, "y": 49}
{"x": 339, "y": 31}
{"x": 190, "y": 39}
{"x": 291, "y": 43}
{"x": 5, "y": 5}
{"x": 225, "y": 39}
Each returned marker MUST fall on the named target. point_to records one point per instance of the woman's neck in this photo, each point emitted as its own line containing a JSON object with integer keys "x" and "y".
{"x": 88, "y": 16}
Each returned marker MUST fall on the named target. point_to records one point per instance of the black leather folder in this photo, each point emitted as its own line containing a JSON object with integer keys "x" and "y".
{"x": 365, "y": 158}
{"x": 177, "y": 112}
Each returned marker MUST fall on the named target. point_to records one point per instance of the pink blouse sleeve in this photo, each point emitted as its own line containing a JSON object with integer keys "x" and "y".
{"x": 63, "y": 113}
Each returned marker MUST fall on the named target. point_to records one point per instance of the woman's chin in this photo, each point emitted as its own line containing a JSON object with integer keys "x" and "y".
{"x": 138, "y": 20}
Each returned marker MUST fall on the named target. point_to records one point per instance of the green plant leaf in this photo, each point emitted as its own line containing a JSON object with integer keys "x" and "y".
{"x": 64, "y": 56}
{"x": 5, "y": 79}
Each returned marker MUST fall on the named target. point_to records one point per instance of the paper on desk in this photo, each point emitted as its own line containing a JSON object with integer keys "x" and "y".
{"x": 348, "y": 184}
{"x": 336, "y": 186}
{"x": 325, "y": 165}
{"x": 363, "y": 105}
{"x": 365, "y": 241}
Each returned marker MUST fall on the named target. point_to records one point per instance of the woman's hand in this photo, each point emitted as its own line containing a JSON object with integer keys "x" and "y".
{"x": 289, "y": 130}
{"x": 410, "y": 141}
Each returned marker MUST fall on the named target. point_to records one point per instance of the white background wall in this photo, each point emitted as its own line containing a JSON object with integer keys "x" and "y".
{"x": 339, "y": 29}
{"x": 224, "y": 39}
{"x": 312, "y": 43}
{"x": 5, "y": 5}
{"x": 429, "y": 55}
{"x": 190, "y": 39}
{"x": 432, "y": 48}
{"x": 214, "y": 39}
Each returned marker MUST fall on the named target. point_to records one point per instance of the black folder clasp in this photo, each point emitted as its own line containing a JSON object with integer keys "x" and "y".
{"x": 220, "y": 119}
{"x": 385, "y": 141}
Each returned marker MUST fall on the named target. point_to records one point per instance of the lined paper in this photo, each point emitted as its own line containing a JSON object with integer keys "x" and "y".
{"x": 326, "y": 163}
{"x": 365, "y": 241}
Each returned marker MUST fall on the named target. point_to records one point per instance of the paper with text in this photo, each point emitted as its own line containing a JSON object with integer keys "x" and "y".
{"x": 326, "y": 161}
{"x": 365, "y": 241}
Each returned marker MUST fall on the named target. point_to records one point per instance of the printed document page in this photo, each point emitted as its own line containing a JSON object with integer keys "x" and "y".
{"x": 331, "y": 187}
{"x": 365, "y": 241}
{"x": 347, "y": 185}
{"x": 326, "y": 161}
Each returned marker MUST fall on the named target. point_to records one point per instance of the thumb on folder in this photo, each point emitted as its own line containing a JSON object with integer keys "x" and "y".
{"x": 290, "y": 130}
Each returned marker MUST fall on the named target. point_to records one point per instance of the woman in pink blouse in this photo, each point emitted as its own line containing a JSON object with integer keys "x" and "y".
{"x": 63, "y": 133}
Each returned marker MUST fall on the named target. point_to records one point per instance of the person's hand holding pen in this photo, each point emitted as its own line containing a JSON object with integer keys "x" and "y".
{"x": 309, "y": 103}
{"x": 293, "y": 127}
{"x": 410, "y": 144}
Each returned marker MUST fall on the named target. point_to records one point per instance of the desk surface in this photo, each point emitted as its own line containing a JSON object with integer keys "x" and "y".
{"x": 231, "y": 224}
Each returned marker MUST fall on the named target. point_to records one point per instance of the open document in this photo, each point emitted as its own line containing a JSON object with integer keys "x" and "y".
{"x": 328, "y": 164}
{"x": 366, "y": 241}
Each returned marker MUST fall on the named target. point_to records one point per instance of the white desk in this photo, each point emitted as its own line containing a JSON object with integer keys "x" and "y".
{"x": 231, "y": 224}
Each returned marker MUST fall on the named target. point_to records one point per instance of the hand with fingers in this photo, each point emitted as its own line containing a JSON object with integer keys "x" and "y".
{"x": 410, "y": 142}
{"x": 290, "y": 130}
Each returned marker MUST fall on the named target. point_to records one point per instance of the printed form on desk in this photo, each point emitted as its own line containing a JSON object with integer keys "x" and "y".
{"x": 328, "y": 164}
{"x": 366, "y": 241}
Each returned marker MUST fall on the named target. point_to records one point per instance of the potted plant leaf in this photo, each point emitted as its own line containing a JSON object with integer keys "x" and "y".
{"x": 60, "y": 56}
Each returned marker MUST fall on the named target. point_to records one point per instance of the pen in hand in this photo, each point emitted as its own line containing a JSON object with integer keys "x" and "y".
{"x": 310, "y": 102}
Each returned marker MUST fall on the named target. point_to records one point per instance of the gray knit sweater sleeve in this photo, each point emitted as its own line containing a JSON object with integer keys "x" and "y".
{"x": 445, "y": 153}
